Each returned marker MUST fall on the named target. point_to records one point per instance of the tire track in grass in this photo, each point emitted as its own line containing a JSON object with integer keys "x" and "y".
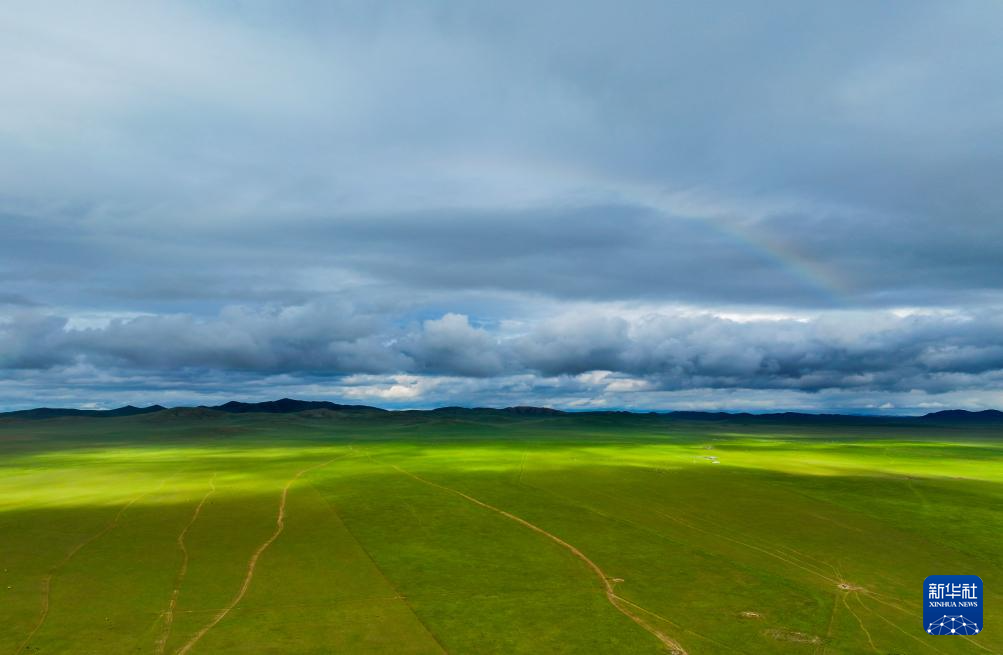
{"x": 397, "y": 594}
{"x": 778, "y": 554}
{"x": 764, "y": 551}
{"x": 280, "y": 524}
{"x": 975, "y": 643}
{"x": 688, "y": 524}
{"x": 679, "y": 627}
{"x": 620, "y": 604}
{"x": 859, "y": 622}
{"x": 47, "y": 580}
{"x": 828, "y": 630}
{"x": 631, "y": 524}
{"x": 803, "y": 556}
{"x": 892, "y": 624}
{"x": 183, "y": 571}
{"x": 877, "y": 597}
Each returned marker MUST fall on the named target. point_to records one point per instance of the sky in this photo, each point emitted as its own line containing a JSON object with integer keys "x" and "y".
{"x": 585, "y": 205}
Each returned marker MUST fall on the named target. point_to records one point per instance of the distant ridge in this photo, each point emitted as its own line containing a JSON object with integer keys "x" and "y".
{"x": 524, "y": 410}
{"x": 55, "y": 412}
{"x": 320, "y": 408}
{"x": 965, "y": 416}
{"x": 289, "y": 405}
{"x": 520, "y": 410}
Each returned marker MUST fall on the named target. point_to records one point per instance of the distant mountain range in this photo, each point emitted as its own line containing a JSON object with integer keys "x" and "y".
{"x": 55, "y": 412}
{"x": 289, "y": 406}
{"x": 985, "y": 416}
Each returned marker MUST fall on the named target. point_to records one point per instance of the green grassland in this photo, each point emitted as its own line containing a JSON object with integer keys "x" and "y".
{"x": 415, "y": 533}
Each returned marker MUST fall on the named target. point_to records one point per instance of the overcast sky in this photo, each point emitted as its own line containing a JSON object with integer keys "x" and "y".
{"x": 649, "y": 205}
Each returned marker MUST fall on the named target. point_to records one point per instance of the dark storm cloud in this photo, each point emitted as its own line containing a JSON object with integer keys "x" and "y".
{"x": 297, "y": 188}
{"x": 880, "y": 353}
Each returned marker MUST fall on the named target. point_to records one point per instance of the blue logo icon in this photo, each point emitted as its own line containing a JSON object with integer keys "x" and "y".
{"x": 952, "y": 605}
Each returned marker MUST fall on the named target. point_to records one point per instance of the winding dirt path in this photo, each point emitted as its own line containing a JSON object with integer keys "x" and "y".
{"x": 621, "y": 604}
{"x": 47, "y": 580}
{"x": 183, "y": 571}
{"x": 280, "y": 524}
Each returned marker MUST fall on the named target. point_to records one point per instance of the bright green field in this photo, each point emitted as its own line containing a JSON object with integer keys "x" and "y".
{"x": 107, "y": 523}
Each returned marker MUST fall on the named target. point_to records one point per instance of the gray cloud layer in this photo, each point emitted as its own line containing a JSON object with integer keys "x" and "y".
{"x": 932, "y": 353}
{"x": 315, "y": 189}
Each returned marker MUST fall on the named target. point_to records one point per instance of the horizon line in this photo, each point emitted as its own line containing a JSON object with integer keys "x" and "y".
{"x": 640, "y": 412}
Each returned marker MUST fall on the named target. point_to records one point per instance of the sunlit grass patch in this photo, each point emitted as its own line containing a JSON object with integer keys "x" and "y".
{"x": 811, "y": 534}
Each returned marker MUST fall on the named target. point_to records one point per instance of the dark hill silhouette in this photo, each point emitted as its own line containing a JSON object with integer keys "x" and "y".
{"x": 289, "y": 405}
{"x": 326, "y": 409}
{"x": 523, "y": 410}
{"x": 182, "y": 413}
{"x": 56, "y": 412}
{"x": 965, "y": 416}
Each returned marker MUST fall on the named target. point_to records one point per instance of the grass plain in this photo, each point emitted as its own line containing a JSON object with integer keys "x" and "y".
{"x": 415, "y": 533}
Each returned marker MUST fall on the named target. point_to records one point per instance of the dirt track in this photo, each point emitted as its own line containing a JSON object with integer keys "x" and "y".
{"x": 47, "y": 580}
{"x": 169, "y": 614}
{"x": 280, "y": 524}
{"x": 621, "y": 604}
